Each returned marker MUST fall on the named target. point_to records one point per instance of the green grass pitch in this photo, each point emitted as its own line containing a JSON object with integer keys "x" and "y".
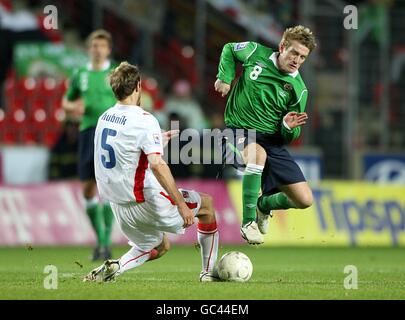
{"x": 279, "y": 273}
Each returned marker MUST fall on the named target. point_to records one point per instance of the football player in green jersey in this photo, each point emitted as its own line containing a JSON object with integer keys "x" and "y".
{"x": 264, "y": 111}
{"x": 90, "y": 94}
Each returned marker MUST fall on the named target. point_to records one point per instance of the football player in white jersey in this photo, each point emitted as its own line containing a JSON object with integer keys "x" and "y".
{"x": 132, "y": 175}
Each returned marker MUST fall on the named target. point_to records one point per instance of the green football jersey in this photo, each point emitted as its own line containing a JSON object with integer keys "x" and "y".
{"x": 94, "y": 88}
{"x": 263, "y": 94}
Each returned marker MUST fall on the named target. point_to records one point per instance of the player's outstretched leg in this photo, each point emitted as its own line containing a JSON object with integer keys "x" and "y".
{"x": 208, "y": 237}
{"x": 263, "y": 218}
{"x": 135, "y": 257}
{"x": 297, "y": 195}
{"x": 255, "y": 157}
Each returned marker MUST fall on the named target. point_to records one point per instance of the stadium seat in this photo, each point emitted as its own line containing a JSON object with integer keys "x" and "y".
{"x": 50, "y": 138}
{"x": 31, "y": 106}
{"x": 27, "y": 88}
{"x": 28, "y": 136}
{"x": 8, "y": 130}
{"x": 9, "y": 88}
{"x": 18, "y": 103}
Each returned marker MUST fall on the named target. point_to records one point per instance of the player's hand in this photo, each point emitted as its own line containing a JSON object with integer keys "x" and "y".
{"x": 187, "y": 215}
{"x": 295, "y": 119}
{"x": 168, "y": 135}
{"x": 222, "y": 87}
{"x": 74, "y": 109}
{"x": 79, "y": 108}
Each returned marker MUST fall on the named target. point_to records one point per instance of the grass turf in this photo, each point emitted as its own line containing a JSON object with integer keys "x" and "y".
{"x": 279, "y": 273}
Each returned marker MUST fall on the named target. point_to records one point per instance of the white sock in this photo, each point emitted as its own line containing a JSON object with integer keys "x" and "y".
{"x": 208, "y": 237}
{"x": 133, "y": 258}
{"x": 91, "y": 203}
{"x": 252, "y": 168}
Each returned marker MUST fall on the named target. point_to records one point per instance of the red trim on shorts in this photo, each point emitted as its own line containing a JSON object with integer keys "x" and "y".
{"x": 135, "y": 258}
{"x": 190, "y": 205}
{"x": 153, "y": 153}
{"x": 140, "y": 178}
{"x": 168, "y": 197}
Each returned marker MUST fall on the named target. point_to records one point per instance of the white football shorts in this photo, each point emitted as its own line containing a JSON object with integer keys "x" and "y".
{"x": 145, "y": 223}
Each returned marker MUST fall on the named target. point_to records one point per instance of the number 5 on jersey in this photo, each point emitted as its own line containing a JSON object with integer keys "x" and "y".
{"x": 111, "y": 154}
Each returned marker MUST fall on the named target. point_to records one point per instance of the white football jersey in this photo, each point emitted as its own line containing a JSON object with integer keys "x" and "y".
{"x": 125, "y": 136}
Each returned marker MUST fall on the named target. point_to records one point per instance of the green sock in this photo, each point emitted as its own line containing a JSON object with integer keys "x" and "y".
{"x": 108, "y": 222}
{"x": 275, "y": 202}
{"x": 251, "y": 183}
{"x": 96, "y": 218}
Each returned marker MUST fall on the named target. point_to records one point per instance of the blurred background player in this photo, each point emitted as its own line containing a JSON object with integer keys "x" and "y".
{"x": 90, "y": 94}
{"x": 132, "y": 175}
{"x": 270, "y": 98}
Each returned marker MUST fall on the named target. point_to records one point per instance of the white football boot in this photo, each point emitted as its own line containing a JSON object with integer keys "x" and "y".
{"x": 263, "y": 220}
{"x": 104, "y": 273}
{"x": 208, "y": 277}
{"x": 250, "y": 232}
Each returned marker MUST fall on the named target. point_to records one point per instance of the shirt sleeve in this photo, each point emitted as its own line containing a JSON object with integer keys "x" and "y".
{"x": 290, "y": 135}
{"x": 73, "y": 91}
{"x": 298, "y": 106}
{"x": 231, "y": 53}
{"x": 152, "y": 137}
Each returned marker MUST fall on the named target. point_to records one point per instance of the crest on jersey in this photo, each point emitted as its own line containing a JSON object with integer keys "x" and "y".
{"x": 185, "y": 194}
{"x": 240, "y": 46}
{"x": 288, "y": 87}
{"x": 156, "y": 138}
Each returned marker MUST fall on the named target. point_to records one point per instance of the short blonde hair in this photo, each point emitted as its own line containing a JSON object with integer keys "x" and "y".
{"x": 301, "y": 34}
{"x": 124, "y": 79}
{"x": 99, "y": 34}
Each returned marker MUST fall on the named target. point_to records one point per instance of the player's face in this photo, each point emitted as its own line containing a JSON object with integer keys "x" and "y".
{"x": 99, "y": 50}
{"x": 291, "y": 58}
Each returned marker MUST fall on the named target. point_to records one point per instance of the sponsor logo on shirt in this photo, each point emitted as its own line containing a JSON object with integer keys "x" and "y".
{"x": 283, "y": 93}
{"x": 240, "y": 46}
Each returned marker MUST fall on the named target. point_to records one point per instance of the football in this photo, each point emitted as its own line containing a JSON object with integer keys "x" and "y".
{"x": 235, "y": 266}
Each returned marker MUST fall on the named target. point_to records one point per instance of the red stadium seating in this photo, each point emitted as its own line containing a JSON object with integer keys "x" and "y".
{"x": 33, "y": 111}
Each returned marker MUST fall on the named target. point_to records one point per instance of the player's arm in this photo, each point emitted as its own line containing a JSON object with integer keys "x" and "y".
{"x": 292, "y": 121}
{"x": 291, "y": 126}
{"x": 152, "y": 146}
{"x": 162, "y": 173}
{"x": 231, "y": 54}
{"x": 71, "y": 101}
